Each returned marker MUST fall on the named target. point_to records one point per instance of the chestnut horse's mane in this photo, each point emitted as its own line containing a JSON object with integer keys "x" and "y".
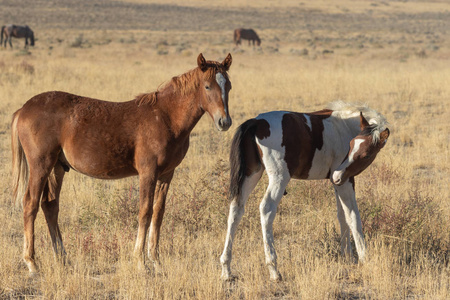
{"x": 148, "y": 98}
{"x": 183, "y": 84}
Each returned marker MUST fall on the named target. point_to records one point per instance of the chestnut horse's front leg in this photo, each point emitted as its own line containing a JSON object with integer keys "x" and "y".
{"x": 147, "y": 183}
{"x": 159, "y": 204}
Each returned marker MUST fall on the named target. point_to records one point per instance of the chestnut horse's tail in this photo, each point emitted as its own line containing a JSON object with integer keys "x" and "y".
{"x": 244, "y": 156}
{"x": 20, "y": 171}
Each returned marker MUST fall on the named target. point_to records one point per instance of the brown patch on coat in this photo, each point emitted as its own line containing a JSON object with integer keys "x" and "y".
{"x": 323, "y": 112}
{"x": 300, "y": 142}
{"x": 262, "y": 131}
{"x": 316, "y": 119}
{"x": 253, "y": 153}
{"x": 367, "y": 149}
{"x": 352, "y": 181}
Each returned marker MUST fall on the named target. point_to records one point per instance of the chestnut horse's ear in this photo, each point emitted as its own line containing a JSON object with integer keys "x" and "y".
{"x": 227, "y": 62}
{"x": 363, "y": 122}
{"x": 201, "y": 62}
{"x": 383, "y": 137}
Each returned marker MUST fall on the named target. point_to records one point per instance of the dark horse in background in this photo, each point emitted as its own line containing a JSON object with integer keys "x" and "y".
{"x": 246, "y": 34}
{"x": 18, "y": 32}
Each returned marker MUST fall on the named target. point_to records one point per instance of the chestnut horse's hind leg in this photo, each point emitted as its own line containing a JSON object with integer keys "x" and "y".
{"x": 159, "y": 204}
{"x": 38, "y": 177}
{"x": 237, "y": 208}
{"x": 50, "y": 207}
{"x": 349, "y": 218}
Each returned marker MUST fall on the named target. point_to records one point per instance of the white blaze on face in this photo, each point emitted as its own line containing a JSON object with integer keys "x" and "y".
{"x": 355, "y": 150}
{"x": 337, "y": 175}
{"x": 221, "y": 81}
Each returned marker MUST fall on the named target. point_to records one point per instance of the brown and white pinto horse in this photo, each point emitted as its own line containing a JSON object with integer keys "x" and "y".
{"x": 16, "y": 31}
{"x": 337, "y": 144}
{"x": 148, "y": 136}
{"x": 246, "y": 34}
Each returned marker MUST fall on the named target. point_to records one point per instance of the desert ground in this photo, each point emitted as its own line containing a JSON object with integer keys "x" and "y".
{"x": 392, "y": 55}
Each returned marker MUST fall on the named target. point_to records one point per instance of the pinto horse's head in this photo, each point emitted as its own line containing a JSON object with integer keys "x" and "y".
{"x": 363, "y": 150}
{"x": 215, "y": 86}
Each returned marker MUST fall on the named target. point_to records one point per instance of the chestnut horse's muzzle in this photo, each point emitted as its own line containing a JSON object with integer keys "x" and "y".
{"x": 223, "y": 124}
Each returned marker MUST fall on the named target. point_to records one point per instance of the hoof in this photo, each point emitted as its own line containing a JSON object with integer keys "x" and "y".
{"x": 229, "y": 278}
{"x": 32, "y": 268}
{"x": 276, "y": 278}
{"x": 33, "y": 275}
{"x": 158, "y": 268}
{"x": 143, "y": 269}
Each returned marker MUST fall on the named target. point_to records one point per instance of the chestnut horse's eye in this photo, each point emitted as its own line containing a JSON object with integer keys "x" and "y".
{"x": 367, "y": 157}
{"x": 207, "y": 87}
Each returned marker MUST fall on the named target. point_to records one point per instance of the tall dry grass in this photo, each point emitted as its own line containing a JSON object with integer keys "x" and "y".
{"x": 403, "y": 196}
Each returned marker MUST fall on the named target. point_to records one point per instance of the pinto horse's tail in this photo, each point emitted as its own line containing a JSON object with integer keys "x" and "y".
{"x": 19, "y": 163}
{"x": 244, "y": 156}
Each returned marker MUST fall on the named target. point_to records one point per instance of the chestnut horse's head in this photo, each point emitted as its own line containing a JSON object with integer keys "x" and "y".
{"x": 363, "y": 150}
{"x": 214, "y": 88}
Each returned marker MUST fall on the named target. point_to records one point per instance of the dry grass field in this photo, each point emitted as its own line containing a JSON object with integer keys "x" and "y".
{"x": 392, "y": 55}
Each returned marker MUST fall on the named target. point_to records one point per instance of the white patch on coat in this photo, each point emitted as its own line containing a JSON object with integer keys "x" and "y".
{"x": 323, "y": 158}
{"x": 271, "y": 146}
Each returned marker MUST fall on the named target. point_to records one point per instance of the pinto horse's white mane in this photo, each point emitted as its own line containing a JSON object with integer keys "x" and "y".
{"x": 344, "y": 110}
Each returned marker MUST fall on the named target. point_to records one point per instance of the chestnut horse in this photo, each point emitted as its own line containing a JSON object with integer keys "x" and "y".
{"x": 246, "y": 34}
{"x": 16, "y": 31}
{"x": 148, "y": 136}
{"x": 335, "y": 144}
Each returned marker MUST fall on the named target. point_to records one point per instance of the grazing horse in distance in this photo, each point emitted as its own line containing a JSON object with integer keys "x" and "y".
{"x": 149, "y": 136}
{"x": 336, "y": 144}
{"x": 246, "y": 34}
{"x": 18, "y": 32}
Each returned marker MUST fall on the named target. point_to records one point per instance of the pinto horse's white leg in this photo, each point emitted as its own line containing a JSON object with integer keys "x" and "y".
{"x": 268, "y": 208}
{"x": 345, "y": 196}
{"x": 346, "y": 247}
{"x": 237, "y": 208}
